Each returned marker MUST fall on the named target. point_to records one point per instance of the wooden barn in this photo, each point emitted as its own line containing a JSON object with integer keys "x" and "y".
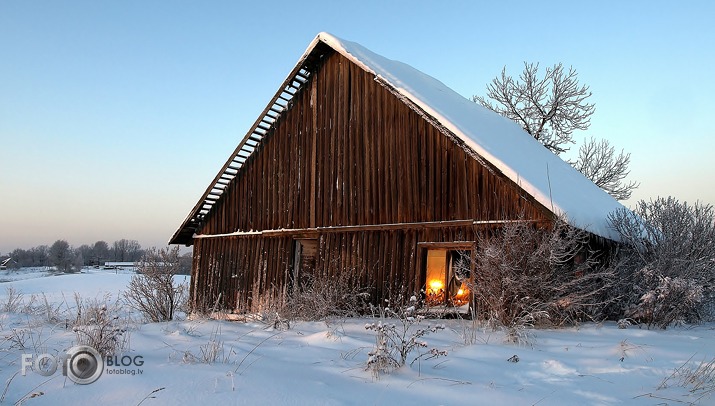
{"x": 363, "y": 164}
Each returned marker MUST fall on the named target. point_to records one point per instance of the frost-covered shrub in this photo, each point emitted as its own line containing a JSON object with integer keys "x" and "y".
{"x": 535, "y": 276}
{"x": 667, "y": 265}
{"x": 13, "y": 300}
{"x": 153, "y": 290}
{"x": 397, "y": 334}
{"x": 321, "y": 297}
{"x": 382, "y": 360}
{"x": 98, "y": 325}
{"x": 670, "y": 299}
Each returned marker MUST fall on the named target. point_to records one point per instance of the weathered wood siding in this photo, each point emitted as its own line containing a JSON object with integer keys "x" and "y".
{"x": 347, "y": 153}
{"x": 377, "y": 161}
{"x": 386, "y": 261}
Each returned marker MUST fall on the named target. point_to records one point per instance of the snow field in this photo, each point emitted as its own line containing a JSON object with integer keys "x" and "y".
{"x": 321, "y": 363}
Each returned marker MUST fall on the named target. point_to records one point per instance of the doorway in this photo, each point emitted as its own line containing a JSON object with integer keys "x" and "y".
{"x": 448, "y": 274}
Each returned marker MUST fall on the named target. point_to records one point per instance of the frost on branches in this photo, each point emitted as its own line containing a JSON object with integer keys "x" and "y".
{"x": 397, "y": 334}
{"x": 153, "y": 290}
{"x": 667, "y": 262}
{"x": 529, "y": 276}
{"x": 670, "y": 300}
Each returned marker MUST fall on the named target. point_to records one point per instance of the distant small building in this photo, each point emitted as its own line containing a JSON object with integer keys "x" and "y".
{"x": 119, "y": 265}
{"x": 7, "y": 263}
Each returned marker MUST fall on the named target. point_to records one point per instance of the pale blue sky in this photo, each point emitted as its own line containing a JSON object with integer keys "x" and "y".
{"x": 114, "y": 116}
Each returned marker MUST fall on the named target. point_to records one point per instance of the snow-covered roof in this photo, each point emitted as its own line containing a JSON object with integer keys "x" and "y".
{"x": 551, "y": 181}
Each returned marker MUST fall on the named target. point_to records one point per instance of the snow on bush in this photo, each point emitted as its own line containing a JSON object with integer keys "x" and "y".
{"x": 398, "y": 333}
{"x": 667, "y": 265}
{"x": 99, "y": 325}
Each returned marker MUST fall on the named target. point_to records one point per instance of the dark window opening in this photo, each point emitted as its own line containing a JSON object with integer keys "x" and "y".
{"x": 305, "y": 252}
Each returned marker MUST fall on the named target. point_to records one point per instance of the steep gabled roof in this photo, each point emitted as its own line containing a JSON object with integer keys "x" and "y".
{"x": 492, "y": 138}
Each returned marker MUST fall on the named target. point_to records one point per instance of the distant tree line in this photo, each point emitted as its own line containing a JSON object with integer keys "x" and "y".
{"x": 66, "y": 258}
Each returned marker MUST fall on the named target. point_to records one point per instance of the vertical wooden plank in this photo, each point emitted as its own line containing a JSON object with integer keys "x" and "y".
{"x": 358, "y": 187}
{"x": 371, "y": 173}
{"x": 339, "y": 152}
{"x": 313, "y": 158}
{"x": 394, "y": 259}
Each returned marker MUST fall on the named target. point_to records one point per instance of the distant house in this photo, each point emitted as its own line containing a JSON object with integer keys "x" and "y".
{"x": 366, "y": 165}
{"x": 7, "y": 263}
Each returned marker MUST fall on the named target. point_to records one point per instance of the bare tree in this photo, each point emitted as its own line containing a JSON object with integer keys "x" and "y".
{"x": 61, "y": 256}
{"x": 549, "y": 108}
{"x": 100, "y": 251}
{"x": 85, "y": 251}
{"x": 185, "y": 263}
{"x": 598, "y": 161}
{"x": 127, "y": 250}
{"x": 37, "y": 256}
{"x": 40, "y": 255}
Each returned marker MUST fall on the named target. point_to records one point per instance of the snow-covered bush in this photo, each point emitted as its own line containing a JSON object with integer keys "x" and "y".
{"x": 153, "y": 290}
{"x": 667, "y": 265}
{"x": 397, "y": 334}
{"x": 535, "y": 276}
{"x": 669, "y": 300}
{"x": 98, "y": 325}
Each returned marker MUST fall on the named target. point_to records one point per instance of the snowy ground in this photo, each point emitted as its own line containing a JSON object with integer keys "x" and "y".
{"x": 324, "y": 363}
